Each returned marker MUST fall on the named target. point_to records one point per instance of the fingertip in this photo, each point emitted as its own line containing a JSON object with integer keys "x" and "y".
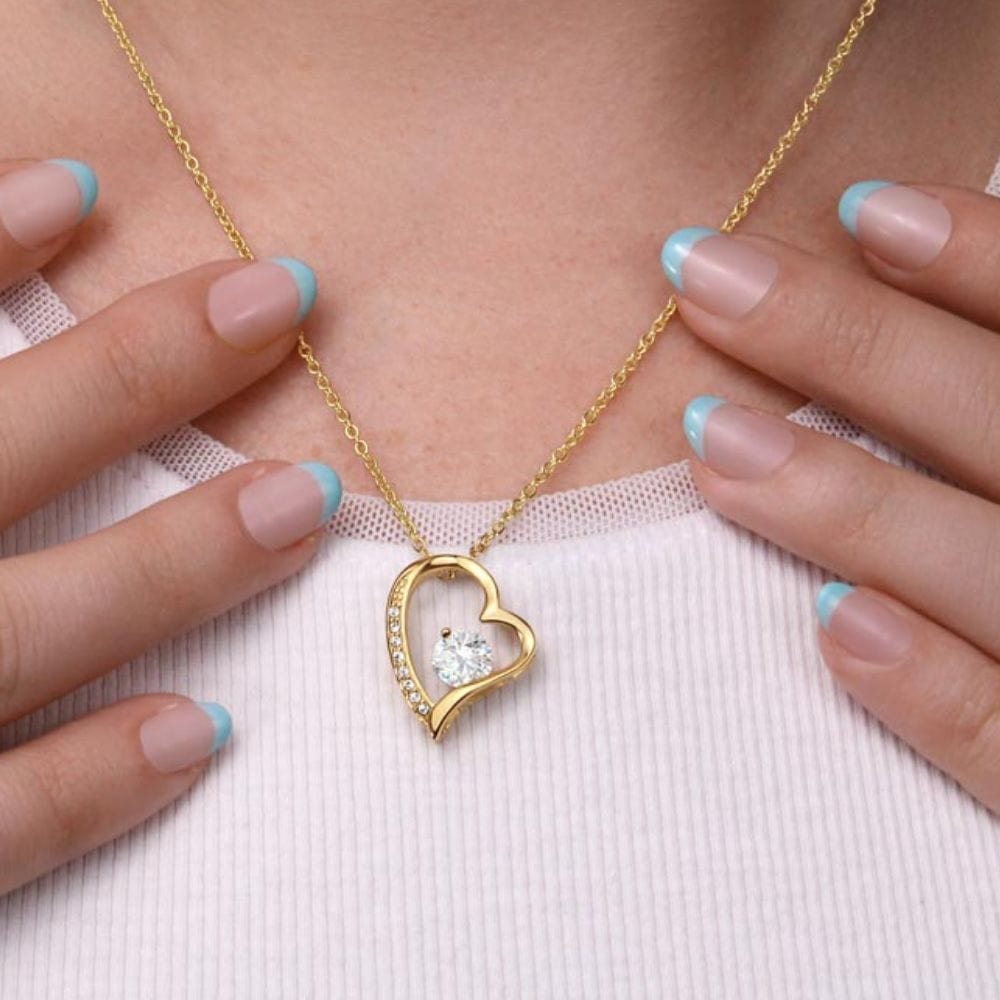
{"x": 184, "y": 734}
{"x": 260, "y": 302}
{"x": 676, "y": 249}
{"x": 284, "y": 505}
{"x": 851, "y": 201}
{"x": 305, "y": 281}
{"x": 43, "y": 200}
{"x": 869, "y": 629}
{"x": 901, "y": 224}
{"x": 86, "y": 181}
{"x": 222, "y": 723}
{"x": 329, "y": 484}
{"x": 737, "y": 441}
{"x": 696, "y": 415}
{"x": 828, "y": 597}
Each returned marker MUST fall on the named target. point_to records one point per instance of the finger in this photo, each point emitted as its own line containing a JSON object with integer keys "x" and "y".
{"x": 42, "y": 202}
{"x": 914, "y": 374}
{"x": 159, "y": 356}
{"x": 938, "y": 692}
{"x": 92, "y": 779}
{"x": 833, "y": 503}
{"x": 72, "y": 612}
{"x": 938, "y": 242}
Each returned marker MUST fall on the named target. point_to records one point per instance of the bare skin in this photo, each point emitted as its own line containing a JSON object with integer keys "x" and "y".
{"x": 506, "y": 172}
{"x": 483, "y": 193}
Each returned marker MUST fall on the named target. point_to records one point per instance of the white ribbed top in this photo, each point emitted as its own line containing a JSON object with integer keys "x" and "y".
{"x": 676, "y": 800}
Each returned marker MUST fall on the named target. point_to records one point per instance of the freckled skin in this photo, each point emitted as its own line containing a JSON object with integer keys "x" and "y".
{"x": 479, "y": 282}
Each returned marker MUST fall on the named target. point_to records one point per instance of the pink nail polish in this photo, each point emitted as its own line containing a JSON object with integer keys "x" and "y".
{"x": 905, "y": 227}
{"x": 287, "y": 504}
{"x": 41, "y": 201}
{"x": 735, "y": 441}
{"x": 865, "y": 626}
{"x": 723, "y": 275}
{"x": 253, "y": 306}
{"x": 183, "y": 734}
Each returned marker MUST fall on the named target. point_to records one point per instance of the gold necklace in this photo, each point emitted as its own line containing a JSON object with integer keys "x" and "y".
{"x": 465, "y": 658}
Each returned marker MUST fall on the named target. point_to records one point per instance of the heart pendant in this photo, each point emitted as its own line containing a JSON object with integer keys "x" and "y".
{"x": 462, "y": 659}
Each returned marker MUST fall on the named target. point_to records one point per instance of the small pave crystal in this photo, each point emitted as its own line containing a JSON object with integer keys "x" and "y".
{"x": 394, "y": 612}
{"x": 423, "y": 708}
{"x": 461, "y": 657}
{"x": 397, "y": 656}
{"x": 395, "y": 640}
{"x": 414, "y": 697}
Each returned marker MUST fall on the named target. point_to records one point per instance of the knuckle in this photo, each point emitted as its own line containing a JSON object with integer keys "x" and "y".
{"x": 16, "y": 628}
{"x": 164, "y": 573}
{"x": 976, "y": 728}
{"x": 10, "y": 461}
{"x": 985, "y": 427}
{"x": 131, "y": 371}
{"x": 858, "y": 339}
{"x": 990, "y": 589}
{"x": 857, "y": 507}
{"x": 54, "y": 788}
{"x": 15, "y": 814}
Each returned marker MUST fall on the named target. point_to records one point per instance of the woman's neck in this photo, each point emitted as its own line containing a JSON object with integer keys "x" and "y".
{"x": 568, "y": 57}
{"x": 385, "y": 34}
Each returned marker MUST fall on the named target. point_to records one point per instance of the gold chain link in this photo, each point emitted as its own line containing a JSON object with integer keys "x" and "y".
{"x": 559, "y": 455}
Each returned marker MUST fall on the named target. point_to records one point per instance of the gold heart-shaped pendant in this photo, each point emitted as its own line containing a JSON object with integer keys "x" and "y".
{"x": 462, "y": 655}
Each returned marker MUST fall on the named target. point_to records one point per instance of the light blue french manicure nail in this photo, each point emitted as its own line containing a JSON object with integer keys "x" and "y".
{"x": 852, "y": 199}
{"x": 305, "y": 278}
{"x": 829, "y": 596}
{"x": 676, "y": 249}
{"x": 222, "y": 722}
{"x": 85, "y": 179}
{"x": 329, "y": 483}
{"x": 695, "y": 416}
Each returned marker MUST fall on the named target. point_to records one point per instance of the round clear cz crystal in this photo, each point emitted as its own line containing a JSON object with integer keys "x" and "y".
{"x": 461, "y": 657}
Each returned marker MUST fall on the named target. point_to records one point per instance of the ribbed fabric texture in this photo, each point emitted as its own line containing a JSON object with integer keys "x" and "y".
{"x": 676, "y": 801}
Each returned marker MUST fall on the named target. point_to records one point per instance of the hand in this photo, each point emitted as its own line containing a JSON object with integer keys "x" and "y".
{"x": 913, "y": 355}
{"x": 158, "y": 356}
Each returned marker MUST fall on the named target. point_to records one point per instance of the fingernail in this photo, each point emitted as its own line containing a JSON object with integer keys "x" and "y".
{"x": 735, "y": 441}
{"x": 283, "y": 506}
{"x": 40, "y": 201}
{"x": 722, "y": 275}
{"x": 900, "y": 224}
{"x": 863, "y": 625}
{"x": 183, "y": 734}
{"x": 254, "y": 305}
